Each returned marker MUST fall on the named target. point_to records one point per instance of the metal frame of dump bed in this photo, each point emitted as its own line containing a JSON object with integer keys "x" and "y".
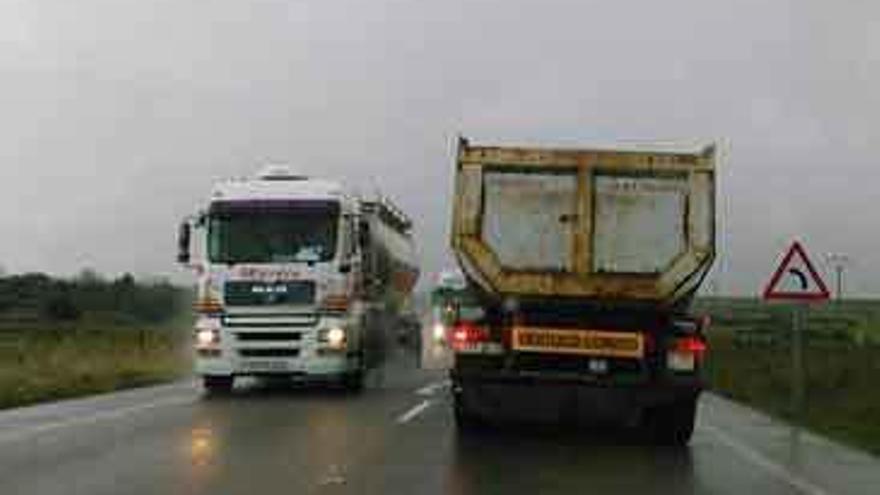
{"x": 674, "y": 283}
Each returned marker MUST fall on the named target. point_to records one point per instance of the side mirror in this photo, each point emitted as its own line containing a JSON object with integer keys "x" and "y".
{"x": 345, "y": 268}
{"x": 183, "y": 238}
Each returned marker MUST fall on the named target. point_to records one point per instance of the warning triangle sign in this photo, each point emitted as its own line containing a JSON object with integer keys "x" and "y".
{"x": 796, "y": 279}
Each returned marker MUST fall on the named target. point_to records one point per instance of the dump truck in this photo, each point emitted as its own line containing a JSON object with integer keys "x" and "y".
{"x": 584, "y": 263}
{"x": 296, "y": 277}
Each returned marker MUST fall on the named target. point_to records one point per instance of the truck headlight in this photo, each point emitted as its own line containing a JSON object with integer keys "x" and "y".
{"x": 207, "y": 337}
{"x": 336, "y": 337}
{"x": 333, "y": 337}
{"x": 207, "y": 332}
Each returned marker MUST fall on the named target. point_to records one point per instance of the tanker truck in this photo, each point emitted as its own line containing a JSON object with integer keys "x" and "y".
{"x": 296, "y": 277}
{"x": 583, "y": 263}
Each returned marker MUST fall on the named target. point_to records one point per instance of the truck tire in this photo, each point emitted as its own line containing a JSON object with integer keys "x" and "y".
{"x": 466, "y": 420}
{"x": 218, "y": 385}
{"x": 353, "y": 381}
{"x": 673, "y": 424}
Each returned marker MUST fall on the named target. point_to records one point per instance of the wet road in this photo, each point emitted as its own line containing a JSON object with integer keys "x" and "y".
{"x": 396, "y": 437}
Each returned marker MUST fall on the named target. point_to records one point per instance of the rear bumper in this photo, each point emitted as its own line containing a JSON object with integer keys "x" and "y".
{"x": 549, "y": 396}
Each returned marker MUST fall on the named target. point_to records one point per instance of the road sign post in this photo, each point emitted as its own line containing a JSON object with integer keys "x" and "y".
{"x": 797, "y": 361}
{"x": 796, "y": 280}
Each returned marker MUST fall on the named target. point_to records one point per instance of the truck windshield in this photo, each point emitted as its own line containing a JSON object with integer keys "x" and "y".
{"x": 272, "y": 231}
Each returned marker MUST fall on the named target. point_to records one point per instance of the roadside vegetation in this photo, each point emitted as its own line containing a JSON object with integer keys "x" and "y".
{"x": 750, "y": 361}
{"x": 66, "y": 338}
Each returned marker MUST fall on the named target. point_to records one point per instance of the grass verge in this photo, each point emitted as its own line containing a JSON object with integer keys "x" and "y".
{"x": 841, "y": 399}
{"x": 39, "y": 365}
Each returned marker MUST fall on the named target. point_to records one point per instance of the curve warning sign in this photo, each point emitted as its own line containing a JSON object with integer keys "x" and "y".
{"x": 796, "y": 279}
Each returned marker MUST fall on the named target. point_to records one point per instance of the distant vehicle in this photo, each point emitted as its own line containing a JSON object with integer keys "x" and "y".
{"x": 448, "y": 294}
{"x": 296, "y": 277}
{"x": 408, "y": 328}
{"x": 584, "y": 263}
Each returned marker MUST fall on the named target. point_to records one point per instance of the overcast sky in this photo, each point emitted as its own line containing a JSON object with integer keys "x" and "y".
{"x": 117, "y": 114}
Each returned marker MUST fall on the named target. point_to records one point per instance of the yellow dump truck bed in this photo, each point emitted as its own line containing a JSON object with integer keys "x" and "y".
{"x": 599, "y": 224}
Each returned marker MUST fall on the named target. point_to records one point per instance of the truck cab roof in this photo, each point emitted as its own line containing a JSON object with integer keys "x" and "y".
{"x": 269, "y": 187}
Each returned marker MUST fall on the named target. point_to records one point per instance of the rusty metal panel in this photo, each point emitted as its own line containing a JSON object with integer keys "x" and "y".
{"x": 584, "y": 223}
{"x": 639, "y": 222}
{"x": 702, "y": 211}
{"x": 528, "y": 218}
{"x": 469, "y": 193}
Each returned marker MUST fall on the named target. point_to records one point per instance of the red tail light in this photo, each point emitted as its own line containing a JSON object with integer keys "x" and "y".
{"x": 692, "y": 344}
{"x": 467, "y": 333}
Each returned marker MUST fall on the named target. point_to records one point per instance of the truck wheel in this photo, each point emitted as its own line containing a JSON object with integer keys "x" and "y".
{"x": 673, "y": 424}
{"x": 217, "y": 385}
{"x": 466, "y": 420}
{"x": 353, "y": 381}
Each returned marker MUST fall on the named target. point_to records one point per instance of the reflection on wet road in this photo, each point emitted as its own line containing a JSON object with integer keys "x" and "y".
{"x": 396, "y": 437}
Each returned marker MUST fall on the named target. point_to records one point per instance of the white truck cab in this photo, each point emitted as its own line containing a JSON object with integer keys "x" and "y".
{"x": 289, "y": 278}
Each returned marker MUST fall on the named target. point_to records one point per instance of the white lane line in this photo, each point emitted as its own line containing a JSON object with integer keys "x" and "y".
{"x": 415, "y": 411}
{"x": 333, "y": 477}
{"x": 801, "y": 484}
{"x": 430, "y": 388}
{"x": 12, "y": 436}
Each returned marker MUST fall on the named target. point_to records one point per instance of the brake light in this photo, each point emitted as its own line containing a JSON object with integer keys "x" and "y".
{"x": 466, "y": 334}
{"x": 686, "y": 354}
{"x": 691, "y": 344}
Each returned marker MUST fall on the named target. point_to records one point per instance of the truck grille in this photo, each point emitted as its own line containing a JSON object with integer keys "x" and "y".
{"x": 269, "y": 320}
{"x": 264, "y": 353}
{"x": 268, "y": 336}
{"x": 254, "y": 293}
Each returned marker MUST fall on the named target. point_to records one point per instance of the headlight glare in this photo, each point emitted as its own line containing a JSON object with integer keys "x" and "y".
{"x": 336, "y": 337}
{"x": 207, "y": 337}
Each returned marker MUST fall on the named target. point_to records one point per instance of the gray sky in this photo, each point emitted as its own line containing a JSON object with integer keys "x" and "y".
{"x": 117, "y": 114}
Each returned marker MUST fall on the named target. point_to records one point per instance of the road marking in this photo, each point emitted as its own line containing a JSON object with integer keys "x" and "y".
{"x": 760, "y": 460}
{"x": 94, "y": 418}
{"x": 415, "y": 411}
{"x": 430, "y": 388}
{"x": 333, "y": 477}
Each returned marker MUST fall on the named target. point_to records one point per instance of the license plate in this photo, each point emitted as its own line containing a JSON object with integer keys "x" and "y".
{"x": 265, "y": 365}
{"x": 681, "y": 361}
{"x": 585, "y": 342}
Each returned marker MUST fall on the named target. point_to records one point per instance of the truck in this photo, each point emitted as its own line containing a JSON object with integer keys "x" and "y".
{"x": 447, "y": 297}
{"x": 584, "y": 262}
{"x": 296, "y": 277}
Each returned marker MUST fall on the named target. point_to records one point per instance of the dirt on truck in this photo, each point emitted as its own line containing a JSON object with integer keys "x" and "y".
{"x": 584, "y": 262}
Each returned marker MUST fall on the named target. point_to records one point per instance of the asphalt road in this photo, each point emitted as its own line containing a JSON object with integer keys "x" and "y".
{"x": 396, "y": 437}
